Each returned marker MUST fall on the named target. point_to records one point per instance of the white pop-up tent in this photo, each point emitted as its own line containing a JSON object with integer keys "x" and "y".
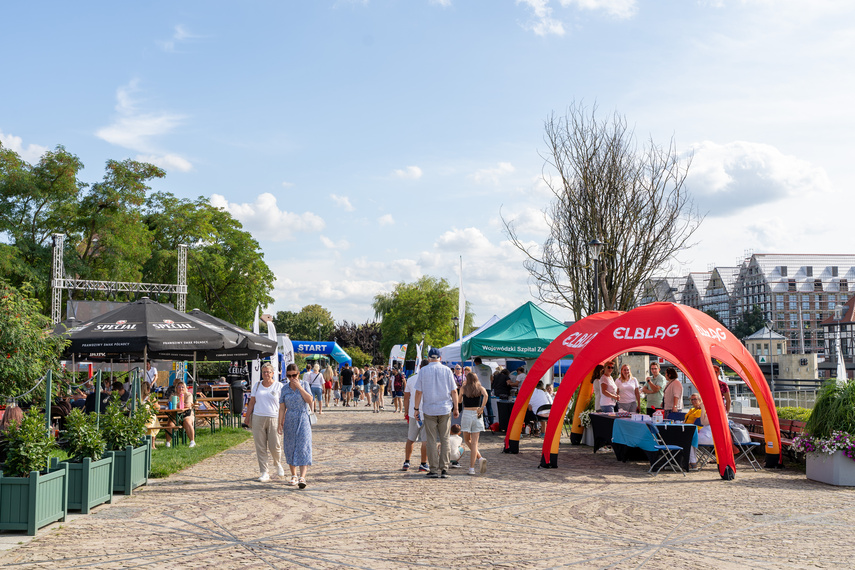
{"x": 451, "y": 353}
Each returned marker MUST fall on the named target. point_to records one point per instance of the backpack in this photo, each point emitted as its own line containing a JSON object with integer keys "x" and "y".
{"x": 399, "y": 382}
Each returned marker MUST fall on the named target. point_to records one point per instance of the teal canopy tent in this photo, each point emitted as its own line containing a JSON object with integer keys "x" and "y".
{"x": 523, "y": 334}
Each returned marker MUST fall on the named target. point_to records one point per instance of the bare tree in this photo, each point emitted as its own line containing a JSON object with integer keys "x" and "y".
{"x": 633, "y": 200}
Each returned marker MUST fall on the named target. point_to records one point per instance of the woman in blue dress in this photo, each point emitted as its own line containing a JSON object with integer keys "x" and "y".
{"x": 294, "y": 424}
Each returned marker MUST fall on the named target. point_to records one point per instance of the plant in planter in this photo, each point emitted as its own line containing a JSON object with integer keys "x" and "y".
{"x": 90, "y": 477}
{"x": 829, "y": 438}
{"x": 130, "y": 447}
{"x": 29, "y": 499}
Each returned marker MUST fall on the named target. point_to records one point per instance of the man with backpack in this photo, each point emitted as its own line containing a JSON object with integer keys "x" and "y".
{"x": 399, "y": 383}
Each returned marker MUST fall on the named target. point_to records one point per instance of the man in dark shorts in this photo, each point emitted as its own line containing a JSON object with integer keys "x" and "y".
{"x": 346, "y": 378}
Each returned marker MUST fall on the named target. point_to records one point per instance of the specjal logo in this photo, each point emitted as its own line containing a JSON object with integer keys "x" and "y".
{"x": 578, "y": 340}
{"x": 640, "y": 333}
{"x": 172, "y": 326}
{"x": 117, "y": 326}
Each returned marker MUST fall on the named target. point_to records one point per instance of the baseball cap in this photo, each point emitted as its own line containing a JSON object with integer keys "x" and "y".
{"x": 434, "y": 353}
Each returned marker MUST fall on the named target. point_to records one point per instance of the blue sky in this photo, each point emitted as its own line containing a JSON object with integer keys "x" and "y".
{"x": 366, "y": 143}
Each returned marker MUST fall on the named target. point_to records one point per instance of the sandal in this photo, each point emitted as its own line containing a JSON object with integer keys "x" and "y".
{"x": 293, "y": 480}
{"x": 302, "y": 483}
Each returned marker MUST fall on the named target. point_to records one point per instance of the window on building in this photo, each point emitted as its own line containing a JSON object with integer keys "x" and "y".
{"x": 780, "y": 348}
{"x": 809, "y": 271}
{"x": 834, "y": 271}
{"x": 805, "y": 305}
{"x": 832, "y": 297}
{"x": 844, "y": 285}
{"x": 783, "y": 271}
{"x": 779, "y": 305}
{"x": 793, "y": 306}
{"x": 817, "y": 284}
{"x": 791, "y": 284}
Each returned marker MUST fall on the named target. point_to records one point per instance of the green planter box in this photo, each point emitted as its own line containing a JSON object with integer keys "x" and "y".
{"x": 29, "y": 503}
{"x": 131, "y": 467}
{"x": 90, "y": 483}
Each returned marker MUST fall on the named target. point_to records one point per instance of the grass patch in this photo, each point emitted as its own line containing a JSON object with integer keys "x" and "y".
{"x": 168, "y": 460}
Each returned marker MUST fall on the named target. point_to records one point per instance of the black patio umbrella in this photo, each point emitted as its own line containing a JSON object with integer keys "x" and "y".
{"x": 251, "y": 346}
{"x": 148, "y": 329}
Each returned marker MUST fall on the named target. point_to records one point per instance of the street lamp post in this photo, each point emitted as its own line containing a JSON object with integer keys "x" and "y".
{"x": 595, "y": 246}
{"x": 771, "y": 364}
{"x": 456, "y": 322}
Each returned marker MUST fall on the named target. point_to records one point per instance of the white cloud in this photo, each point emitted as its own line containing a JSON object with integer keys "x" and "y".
{"x": 527, "y": 221}
{"x": 264, "y": 220}
{"x": 343, "y": 202}
{"x": 409, "y": 173}
{"x": 727, "y": 178}
{"x": 287, "y": 185}
{"x": 31, "y": 153}
{"x": 340, "y": 245}
{"x": 492, "y": 175}
{"x": 618, "y": 8}
{"x": 386, "y": 220}
{"x": 134, "y": 129}
{"x": 180, "y": 35}
{"x": 544, "y": 24}
{"x": 167, "y": 161}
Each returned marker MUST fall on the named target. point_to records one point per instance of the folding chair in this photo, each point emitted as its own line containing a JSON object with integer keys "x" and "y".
{"x": 705, "y": 452}
{"x": 746, "y": 450}
{"x": 568, "y": 421}
{"x": 668, "y": 453}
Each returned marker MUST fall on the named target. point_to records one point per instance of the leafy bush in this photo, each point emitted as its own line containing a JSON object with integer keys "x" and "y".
{"x": 83, "y": 436}
{"x": 121, "y": 427}
{"x": 30, "y": 445}
{"x": 834, "y": 410}
{"x": 26, "y": 352}
{"x": 801, "y": 414}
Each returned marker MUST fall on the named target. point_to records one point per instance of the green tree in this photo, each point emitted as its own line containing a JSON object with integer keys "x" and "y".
{"x": 411, "y": 310}
{"x": 226, "y": 272}
{"x": 26, "y": 352}
{"x": 304, "y": 325}
{"x": 750, "y": 322}
{"x": 360, "y": 359}
{"x": 366, "y": 337}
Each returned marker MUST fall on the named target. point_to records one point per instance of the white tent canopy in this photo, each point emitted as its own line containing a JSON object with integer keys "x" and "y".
{"x": 451, "y": 353}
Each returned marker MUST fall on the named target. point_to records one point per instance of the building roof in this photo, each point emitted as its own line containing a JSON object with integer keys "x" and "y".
{"x": 803, "y": 270}
{"x": 847, "y": 316}
{"x": 765, "y": 333}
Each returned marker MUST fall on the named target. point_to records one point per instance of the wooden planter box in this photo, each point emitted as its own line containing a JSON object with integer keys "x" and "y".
{"x": 836, "y": 469}
{"x": 90, "y": 483}
{"x": 29, "y": 503}
{"x": 131, "y": 467}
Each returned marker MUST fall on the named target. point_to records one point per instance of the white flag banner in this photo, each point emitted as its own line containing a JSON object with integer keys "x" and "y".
{"x": 255, "y": 366}
{"x": 842, "y": 376}
{"x": 461, "y": 303}
{"x": 286, "y": 347}
{"x": 274, "y": 359}
{"x": 419, "y": 355}
{"x": 398, "y": 352}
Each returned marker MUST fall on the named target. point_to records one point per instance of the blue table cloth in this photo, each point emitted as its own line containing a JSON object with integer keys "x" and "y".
{"x": 636, "y": 434}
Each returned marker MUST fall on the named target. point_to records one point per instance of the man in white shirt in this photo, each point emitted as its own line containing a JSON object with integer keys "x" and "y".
{"x": 414, "y": 432}
{"x": 150, "y": 375}
{"x": 436, "y": 393}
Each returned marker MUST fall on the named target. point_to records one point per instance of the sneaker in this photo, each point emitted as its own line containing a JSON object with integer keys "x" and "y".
{"x": 483, "y": 465}
{"x": 281, "y": 471}
{"x": 456, "y": 465}
{"x": 423, "y": 468}
{"x": 192, "y": 444}
{"x": 444, "y": 474}
{"x": 433, "y": 475}
{"x": 406, "y": 466}
{"x": 472, "y": 471}
{"x": 264, "y": 478}
{"x": 168, "y": 444}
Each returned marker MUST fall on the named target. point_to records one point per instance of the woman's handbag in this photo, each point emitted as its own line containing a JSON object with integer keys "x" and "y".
{"x": 313, "y": 418}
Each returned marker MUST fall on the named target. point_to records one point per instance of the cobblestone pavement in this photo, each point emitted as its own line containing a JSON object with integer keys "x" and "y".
{"x": 360, "y": 511}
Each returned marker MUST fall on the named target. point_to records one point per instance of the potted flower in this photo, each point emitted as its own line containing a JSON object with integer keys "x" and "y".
{"x": 829, "y": 438}
{"x": 128, "y": 444}
{"x": 90, "y": 473}
{"x": 40, "y": 498}
{"x": 588, "y": 434}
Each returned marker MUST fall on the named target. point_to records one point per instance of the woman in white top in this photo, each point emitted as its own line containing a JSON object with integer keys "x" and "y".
{"x": 608, "y": 389}
{"x": 315, "y": 380}
{"x": 629, "y": 399}
{"x": 264, "y": 408}
{"x": 540, "y": 398}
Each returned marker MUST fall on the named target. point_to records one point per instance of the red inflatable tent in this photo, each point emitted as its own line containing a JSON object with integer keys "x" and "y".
{"x": 685, "y": 336}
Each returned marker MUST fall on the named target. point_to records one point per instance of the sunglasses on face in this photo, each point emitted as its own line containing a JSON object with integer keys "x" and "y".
{"x": 610, "y": 367}
{"x": 292, "y": 375}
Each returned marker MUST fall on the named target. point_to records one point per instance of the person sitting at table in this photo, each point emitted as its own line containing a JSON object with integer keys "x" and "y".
{"x": 89, "y": 406}
{"x": 704, "y": 434}
{"x": 540, "y": 398}
{"x": 186, "y": 418}
{"x": 673, "y": 392}
{"x": 608, "y": 389}
{"x": 695, "y": 412}
{"x": 500, "y": 384}
{"x": 629, "y": 395}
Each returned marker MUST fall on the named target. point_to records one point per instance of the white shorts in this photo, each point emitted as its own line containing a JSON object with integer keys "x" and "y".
{"x": 414, "y": 432}
{"x": 470, "y": 422}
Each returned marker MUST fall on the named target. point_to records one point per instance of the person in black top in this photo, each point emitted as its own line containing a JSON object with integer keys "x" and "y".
{"x": 346, "y": 378}
{"x": 500, "y": 384}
